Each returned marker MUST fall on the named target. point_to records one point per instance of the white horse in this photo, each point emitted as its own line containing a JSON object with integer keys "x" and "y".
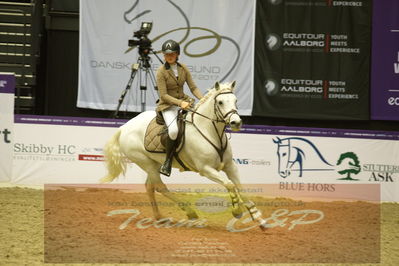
{"x": 206, "y": 150}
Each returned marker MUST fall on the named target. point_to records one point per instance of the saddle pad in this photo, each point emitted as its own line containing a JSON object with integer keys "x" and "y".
{"x": 152, "y": 138}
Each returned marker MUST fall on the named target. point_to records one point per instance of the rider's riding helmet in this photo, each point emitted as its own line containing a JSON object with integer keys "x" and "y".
{"x": 170, "y": 46}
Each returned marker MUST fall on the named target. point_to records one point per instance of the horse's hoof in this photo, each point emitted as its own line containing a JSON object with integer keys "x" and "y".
{"x": 237, "y": 213}
{"x": 263, "y": 228}
{"x": 192, "y": 216}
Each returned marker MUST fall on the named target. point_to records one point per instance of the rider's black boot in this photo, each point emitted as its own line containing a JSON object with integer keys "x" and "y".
{"x": 166, "y": 168}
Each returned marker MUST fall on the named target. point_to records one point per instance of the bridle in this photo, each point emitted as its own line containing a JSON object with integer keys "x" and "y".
{"x": 220, "y": 118}
{"x": 219, "y": 113}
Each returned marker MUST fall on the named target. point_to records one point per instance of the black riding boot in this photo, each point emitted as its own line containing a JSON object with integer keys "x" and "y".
{"x": 170, "y": 151}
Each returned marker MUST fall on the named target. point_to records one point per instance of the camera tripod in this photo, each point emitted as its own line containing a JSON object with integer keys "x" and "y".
{"x": 143, "y": 67}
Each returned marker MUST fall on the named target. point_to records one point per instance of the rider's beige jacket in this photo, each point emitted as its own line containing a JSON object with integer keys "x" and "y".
{"x": 170, "y": 88}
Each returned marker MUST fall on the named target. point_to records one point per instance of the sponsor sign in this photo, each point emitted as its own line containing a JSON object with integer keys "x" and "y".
{"x": 308, "y": 67}
{"x": 7, "y": 86}
{"x": 216, "y": 40}
{"x": 56, "y": 158}
{"x": 385, "y": 61}
{"x": 312, "y": 157}
{"x": 302, "y": 159}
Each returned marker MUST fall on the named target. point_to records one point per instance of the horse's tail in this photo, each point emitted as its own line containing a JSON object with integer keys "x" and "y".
{"x": 116, "y": 163}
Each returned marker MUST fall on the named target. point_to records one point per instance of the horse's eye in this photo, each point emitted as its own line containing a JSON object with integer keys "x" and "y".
{"x": 220, "y": 102}
{"x": 284, "y": 153}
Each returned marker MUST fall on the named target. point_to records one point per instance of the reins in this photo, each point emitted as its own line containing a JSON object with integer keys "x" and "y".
{"x": 204, "y": 116}
{"x": 217, "y": 111}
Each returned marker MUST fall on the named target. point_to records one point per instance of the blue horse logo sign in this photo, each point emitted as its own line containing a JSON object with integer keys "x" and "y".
{"x": 293, "y": 153}
{"x": 300, "y": 155}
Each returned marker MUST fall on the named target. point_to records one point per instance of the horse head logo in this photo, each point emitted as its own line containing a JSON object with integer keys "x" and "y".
{"x": 273, "y": 41}
{"x": 291, "y": 152}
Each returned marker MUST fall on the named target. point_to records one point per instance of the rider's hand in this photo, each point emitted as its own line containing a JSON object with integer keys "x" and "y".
{"x": 184, "y": 105}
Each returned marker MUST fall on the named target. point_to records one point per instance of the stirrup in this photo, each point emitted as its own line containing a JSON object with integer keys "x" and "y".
{"x": 165, "y": 170}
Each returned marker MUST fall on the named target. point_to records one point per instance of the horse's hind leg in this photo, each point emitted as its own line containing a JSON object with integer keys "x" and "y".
{"x": 151, "y": 194}
{"x": 154, "y": 183}
{"x": 161, "y": 188}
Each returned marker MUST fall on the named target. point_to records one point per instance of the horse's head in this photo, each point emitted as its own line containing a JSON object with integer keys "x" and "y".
{"x": 225, "y": 105}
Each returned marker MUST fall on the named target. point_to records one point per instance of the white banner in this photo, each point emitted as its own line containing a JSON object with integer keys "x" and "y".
{"x": 57, "y": 150}
{"x": 7, "y": 86}
{"x": 216, "y": 39}
{"x": 312, "y": 166}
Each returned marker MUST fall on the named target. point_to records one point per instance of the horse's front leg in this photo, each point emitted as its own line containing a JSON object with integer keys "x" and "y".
{"x": 232, "y": 172}
{"x": 235, "y": 196}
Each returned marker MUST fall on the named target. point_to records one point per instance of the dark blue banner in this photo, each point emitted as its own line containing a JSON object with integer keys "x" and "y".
{"x": 385, "y": 61}
{"x": 312, "y": 59}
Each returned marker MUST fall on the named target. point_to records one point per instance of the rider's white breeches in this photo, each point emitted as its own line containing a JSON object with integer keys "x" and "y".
{"x": 170, "y": 117}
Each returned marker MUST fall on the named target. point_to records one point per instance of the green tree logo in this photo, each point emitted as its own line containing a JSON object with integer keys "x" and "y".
{"x": 348, "y": 164}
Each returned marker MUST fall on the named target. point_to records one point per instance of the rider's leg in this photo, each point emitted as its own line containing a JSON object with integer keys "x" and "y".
{"x": 170, "y": 117}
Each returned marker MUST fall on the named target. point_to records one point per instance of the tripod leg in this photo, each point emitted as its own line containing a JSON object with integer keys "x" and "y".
{"x": 135, "y": 67}
{"x": 142, "y": 65}
{"x": 143, "y": 89}
{"x": 152, "y": 78}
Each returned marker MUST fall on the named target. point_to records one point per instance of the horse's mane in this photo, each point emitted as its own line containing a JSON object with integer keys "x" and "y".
{"x": 212, "y": 92}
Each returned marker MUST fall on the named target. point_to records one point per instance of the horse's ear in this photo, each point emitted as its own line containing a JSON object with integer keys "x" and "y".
{"x": 277, "y": 140}
{"x": 233, "y": 85}
{"x": 217, "y": 86}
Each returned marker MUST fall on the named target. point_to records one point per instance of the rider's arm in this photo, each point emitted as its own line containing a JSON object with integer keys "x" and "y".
{"x": 163, "y": 91}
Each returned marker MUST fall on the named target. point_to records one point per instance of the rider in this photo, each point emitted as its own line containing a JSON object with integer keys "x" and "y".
{"x": 171, "y": 77}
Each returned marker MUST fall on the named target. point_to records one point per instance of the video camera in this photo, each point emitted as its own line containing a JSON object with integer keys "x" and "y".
{"x": 143, "y": 42}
